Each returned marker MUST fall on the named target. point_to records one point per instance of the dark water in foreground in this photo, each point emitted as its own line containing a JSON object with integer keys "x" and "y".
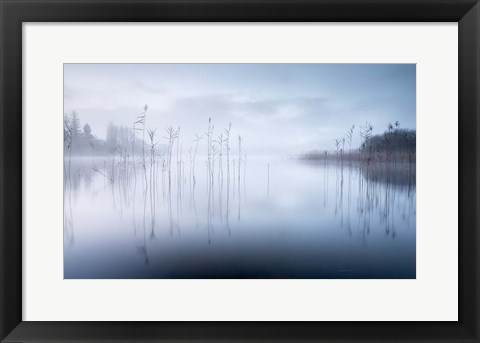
{"x": 291, "y": 219}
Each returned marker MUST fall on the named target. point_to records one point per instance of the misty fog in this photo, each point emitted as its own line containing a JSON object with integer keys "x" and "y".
{"x": 239, "y": 171}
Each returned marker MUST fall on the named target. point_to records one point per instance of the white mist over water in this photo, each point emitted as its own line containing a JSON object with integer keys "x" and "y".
{"x": 300, "y": 220}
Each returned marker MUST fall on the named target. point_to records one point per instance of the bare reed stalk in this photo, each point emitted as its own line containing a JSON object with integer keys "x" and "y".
{"x": 141, "y": 119}
{"x": 365, "y": 135}
{"x": 197, "y": 139}
{"x": 337, "y": 147}
{"x": 113, "y": 152}
{"x": 133, "y": 152}
{"x": 220, "y": 160}
{"x": 210, "y": 152}
{"x": 350, "y": 138}
{"x": 145, "y": 107}
{"x": 171, "y": 136}
{"x": 67, "y": 138}
{"x": 151, "y": 135}
{"x": 227, "y": 148}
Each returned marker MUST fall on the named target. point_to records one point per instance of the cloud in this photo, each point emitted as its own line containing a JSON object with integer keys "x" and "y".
{"x": 274, "y": 109}
{"x": 277, "y": 108}
{"x": 140, "y": 86}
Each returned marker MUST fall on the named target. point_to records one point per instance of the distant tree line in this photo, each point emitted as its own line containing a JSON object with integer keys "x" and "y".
{"x": 392, "y": 142}
{"x": 395, "y": 144}
{"x": 82, "y": 141}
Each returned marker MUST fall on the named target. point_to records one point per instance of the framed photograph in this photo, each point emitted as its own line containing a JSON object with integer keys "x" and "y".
{"x": 186, "y": 203}
{"x": 237, "y": 170}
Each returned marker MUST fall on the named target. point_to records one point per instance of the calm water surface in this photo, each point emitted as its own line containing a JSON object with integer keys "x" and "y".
{"x": 282, "y": 218}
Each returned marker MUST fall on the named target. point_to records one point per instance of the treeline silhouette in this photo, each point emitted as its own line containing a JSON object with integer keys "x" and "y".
{"x": 393, "y": 145}
{"x": 81, "y": 141}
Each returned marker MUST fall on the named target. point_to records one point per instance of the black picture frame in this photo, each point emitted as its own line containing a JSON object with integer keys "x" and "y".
{"x": 14, "y": 12}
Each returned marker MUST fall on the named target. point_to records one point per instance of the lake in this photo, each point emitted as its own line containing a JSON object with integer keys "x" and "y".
{"x": 270, "y": 218}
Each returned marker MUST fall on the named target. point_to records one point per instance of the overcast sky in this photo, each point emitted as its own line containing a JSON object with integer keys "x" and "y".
{"x": 276, "y": 108}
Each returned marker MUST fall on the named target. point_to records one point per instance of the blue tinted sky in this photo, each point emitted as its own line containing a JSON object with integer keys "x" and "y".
{"x": 277, "y": 108}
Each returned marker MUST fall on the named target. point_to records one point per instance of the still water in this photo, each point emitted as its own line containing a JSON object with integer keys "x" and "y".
{"x": 269, "y": 218}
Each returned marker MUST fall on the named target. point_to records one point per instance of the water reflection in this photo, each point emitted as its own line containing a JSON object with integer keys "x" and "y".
{"x": 135, "y": 220}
